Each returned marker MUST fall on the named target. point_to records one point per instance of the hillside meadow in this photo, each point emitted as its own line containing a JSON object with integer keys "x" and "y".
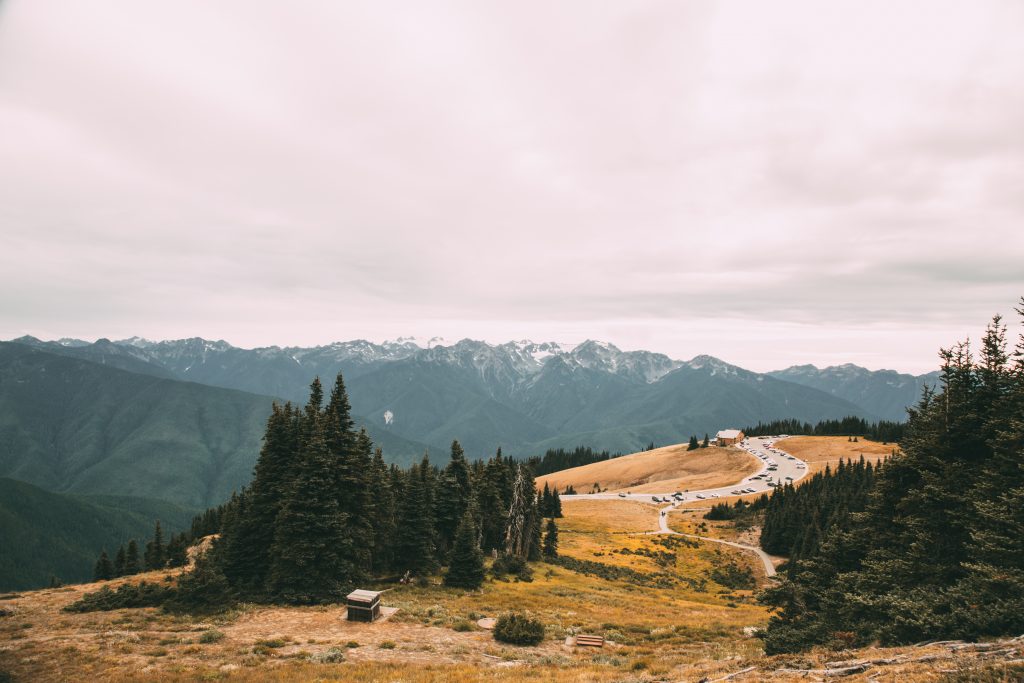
{"x": 664, "y": 469}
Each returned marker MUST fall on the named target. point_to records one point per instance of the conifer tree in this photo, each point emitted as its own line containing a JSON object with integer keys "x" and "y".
{"x": 249, "y": 526}
{"x": 176, "y": 551}
{"x": 545, "y": 501}
{"x": 312, "y": 554}
{"x": 556, "y": 505}
{"x": 155, "y": 552}
{"x": 551, "y": 540}
{"x": 454, "y": 494}
{"x": 414, "y": 538}
{"x": 383, "y": 514}
{"x": 706, "y": 443}
{"x": 131, "y": 558}
{"x": 491, "y": 511}
{"x": 104, "y": 570}
{"x": 466, "y": 569}
{"x": 119, "y": 561}
{"x": 693, "y": 444}
{"x": 353, "y": 454}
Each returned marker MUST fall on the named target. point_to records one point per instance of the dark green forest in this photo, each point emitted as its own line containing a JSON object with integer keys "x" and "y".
{"x": 931, "y": 544}
{"x": 46, "y": 536}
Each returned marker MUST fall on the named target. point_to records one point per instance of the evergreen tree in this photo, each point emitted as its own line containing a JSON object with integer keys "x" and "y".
{"x": 706, "y": 443}
{"x": 353, "y": 454}
{"x": 155, "y": 556}
{"x": 414, "y": 537}
{"x": 177, "y": 547}
{"x": 312, "y": 554}
{"x": 119, "y": 561}
{"x": 454, "y": 493}
{"x": 204, "y": 590}
{"x": 104, "y": 570}
{"x": 249, "y": 526}
{"x": 466, "y": 569}
{"x": 490, "y": 509}
{"x": 556, "y": 505}
{"x": 693, "y": 444}
{"x": 383, "y": 524}
{"x": 551, "y": 540}
{"x": 131, "y": 558}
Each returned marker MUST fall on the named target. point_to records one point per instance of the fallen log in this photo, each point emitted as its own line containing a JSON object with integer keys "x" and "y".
{"x": 844, "y": 671}
{"x": 734, "y": 674}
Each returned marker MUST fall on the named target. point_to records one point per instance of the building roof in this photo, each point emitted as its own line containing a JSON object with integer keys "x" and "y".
{"x": 363, "y": 596}
{"x": 728, "y": 434}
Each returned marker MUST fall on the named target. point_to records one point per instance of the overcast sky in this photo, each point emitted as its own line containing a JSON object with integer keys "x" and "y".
{"x": 768, "y": 182}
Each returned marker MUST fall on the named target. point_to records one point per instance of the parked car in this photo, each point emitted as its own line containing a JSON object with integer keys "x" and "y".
{"x": 622, "y": 495}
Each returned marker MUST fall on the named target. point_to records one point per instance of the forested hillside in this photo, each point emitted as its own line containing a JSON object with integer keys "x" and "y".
{"x": 70, "y": 425}
{"x": 938, "y": 550}
{"x": 44, "y": 535}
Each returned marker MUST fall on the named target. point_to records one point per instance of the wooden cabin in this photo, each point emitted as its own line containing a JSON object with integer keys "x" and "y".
{"x": 728, "y": 437}
{"x": 363, "y": 605}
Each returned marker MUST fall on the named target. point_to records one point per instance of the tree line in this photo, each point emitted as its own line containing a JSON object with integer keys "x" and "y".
{"x": 558, "y": 459}
{"x": 935, "y": 548}
{"x": 883, "y": 430}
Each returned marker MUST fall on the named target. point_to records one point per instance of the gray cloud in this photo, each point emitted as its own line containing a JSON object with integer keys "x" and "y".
{"x": 843, "y": 178}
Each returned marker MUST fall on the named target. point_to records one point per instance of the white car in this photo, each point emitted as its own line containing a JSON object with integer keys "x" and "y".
{"x": 701, "y": 496}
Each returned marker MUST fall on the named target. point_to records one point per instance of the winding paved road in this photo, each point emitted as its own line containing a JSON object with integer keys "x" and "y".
{"x": 787, "y": 469}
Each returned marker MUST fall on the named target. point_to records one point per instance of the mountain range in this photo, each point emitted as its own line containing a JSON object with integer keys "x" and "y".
{"x": 522, "y": 396}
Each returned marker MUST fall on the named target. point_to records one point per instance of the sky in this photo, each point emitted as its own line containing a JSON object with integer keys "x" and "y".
{"x": 770, "y": 183}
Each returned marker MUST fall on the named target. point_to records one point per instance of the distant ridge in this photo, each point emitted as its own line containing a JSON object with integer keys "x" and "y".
{"x": 523, "y": 396}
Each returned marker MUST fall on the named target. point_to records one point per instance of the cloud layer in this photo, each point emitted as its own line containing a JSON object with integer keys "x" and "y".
{"x": 769, "y": 182}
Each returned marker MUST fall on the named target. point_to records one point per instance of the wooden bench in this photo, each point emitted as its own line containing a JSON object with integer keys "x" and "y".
{"x": 589, "y": 641}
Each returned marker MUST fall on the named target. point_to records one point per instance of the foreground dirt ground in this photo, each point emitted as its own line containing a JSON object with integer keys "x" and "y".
{"x": 652, "y": 597}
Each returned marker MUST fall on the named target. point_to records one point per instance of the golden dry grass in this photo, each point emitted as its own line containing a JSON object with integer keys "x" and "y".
{"x": 691, "y": 621}
{"x": 689, "y": 631}
{"x": 819, "y": 451}
{"x": 661, "y": 470}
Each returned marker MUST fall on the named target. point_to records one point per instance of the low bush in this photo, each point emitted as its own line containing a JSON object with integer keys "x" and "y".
{"x": 518, "y": 629}
{"x": 334, "y": 655}
{"x": 127, "y": 595}
{"x": 211, "y": 636}
{"x": 512, "y": 565}
{"x": 731, "y": 575}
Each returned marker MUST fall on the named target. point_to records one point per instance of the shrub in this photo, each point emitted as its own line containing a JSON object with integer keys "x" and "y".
{"x": 334, "y": 655}
{"x": 272, "y": 642}
{"x": 127, "y": 595}
{"x": 518, "y": 629}
{"x": 512, "y": 565}
{"x": 387, "y": 645}
{"x": 204, "y": 590}
{"x": 212, "y": 636}
{"x": 731, "y": 575}
{"x": 351, "y": 644}
{"x": 462, "y": 626}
